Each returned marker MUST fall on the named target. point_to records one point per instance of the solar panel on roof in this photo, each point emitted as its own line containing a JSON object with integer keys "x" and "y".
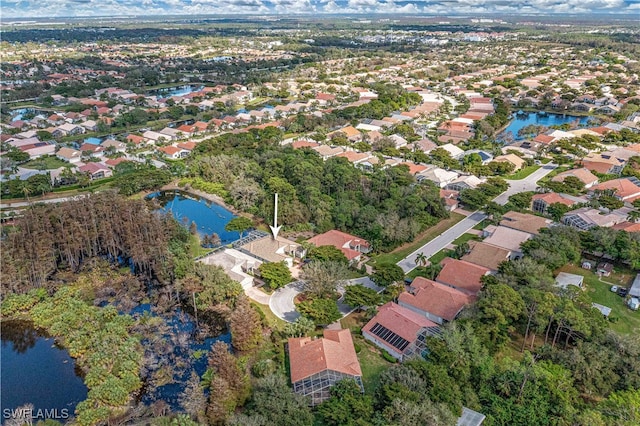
{"x": 390, "y": 337}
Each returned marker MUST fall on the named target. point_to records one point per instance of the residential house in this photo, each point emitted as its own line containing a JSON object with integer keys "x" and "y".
{"x": 117, "y": 145}
{"x": 96, "y": 170}
{"x": 399, "y": 331}
{"x": 464, "y": 182}
{"x": 440, "y": 177}
{"x": 154, "y": 137}
{"x": 171, "y": 134}
{"x": 317, "y": 364}
{"x": 351, "y": 246}
{"x": 626, "y": 189}
{"x": 506, "y": 238}
{"x": 350, "y": 132}
{"x": 173, "y": 152}
{"x": 586, "y": 218}
{"x": 440, "y": 303}
{"x": 541, "y": 202}
{"x": 603, "y": 163}
{"x": 517, "y": 162}
{"x": 604, "y": 269}
{"x": 470, "y": 418}
{"x": 136, "y": 140}
{"x": 326, "y": 151}
{"x": 450, "y": 199}
{"x": 68, "y": 154}
{"x": 90, "y": 125}
{"x": 462, "y": 275}
{"x": 564, "y": 280}
{"x": 92, "y": 149}
{"x": 582, "y": 174}
{"x": 486, "y": 255}
{"x": 524, "y": 222}
{"x": 68, "y": 129}
{"x": 455, "y": 152}
{"x": 269, "y": 249}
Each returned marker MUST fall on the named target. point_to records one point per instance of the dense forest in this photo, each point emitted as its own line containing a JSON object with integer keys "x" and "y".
{"x": 49, "y": 237}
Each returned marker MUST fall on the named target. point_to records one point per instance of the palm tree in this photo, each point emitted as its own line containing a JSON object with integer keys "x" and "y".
{"x": 421, "y": 259}
{"x": 633, "y": 216}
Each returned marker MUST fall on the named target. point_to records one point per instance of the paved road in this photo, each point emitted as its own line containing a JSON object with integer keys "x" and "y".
{"x": 441, "y": 241}
{"x": 530, "y": 183}
{"x": 20, "y": 204}
{"x": 281, "y": 302}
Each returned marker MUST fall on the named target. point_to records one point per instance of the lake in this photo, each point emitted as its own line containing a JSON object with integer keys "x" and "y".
{"x": 36, "y": 371}
{"x": 547, "y": 119}
{"x": 208, "y": 216}
{"x": 175, "y": 91}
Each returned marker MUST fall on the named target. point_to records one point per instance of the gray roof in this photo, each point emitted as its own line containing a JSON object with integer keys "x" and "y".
{"x": 565, "y": 279}
{"x": 634, "y": 291}
{"x": 605, "y": 310}
{"x": 470, "y": 418}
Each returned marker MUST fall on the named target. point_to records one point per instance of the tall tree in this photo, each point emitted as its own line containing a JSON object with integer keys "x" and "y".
{"x": 246, "y": 329}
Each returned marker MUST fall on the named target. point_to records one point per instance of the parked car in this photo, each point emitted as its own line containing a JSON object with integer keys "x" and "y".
{"x": 622, "y": 291}
{"x": 614, "y": 288}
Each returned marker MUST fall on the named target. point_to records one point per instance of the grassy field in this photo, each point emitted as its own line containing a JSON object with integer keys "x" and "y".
{"x": 522, "y": 173}
{"x": 465, "y": 238}
{"x": 45, "y": 163}
{"x": 371, "y": 363}
{"x": 403, "y": 251}
{"x": 627, "y": 321}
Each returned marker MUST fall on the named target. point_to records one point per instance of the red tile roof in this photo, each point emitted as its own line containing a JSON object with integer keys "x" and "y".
{"x": 544, "y": 139}
{"x": 333, "y": 352}
{"x": 623, "y": 187}
{"x": 435, "y": 298}
{"x": 304, "y": 144}
{"x": 462, "y": 275}
{"x": 551, "y": 198}
{"x": 402, "y": 321}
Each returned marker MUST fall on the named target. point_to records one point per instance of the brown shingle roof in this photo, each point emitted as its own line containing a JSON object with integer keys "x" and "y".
{"x": 524, "y": 222}
{"x": 486, "y": 255}
{"x": 333, "y": 352}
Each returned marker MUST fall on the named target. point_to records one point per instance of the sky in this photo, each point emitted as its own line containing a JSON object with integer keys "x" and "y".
{"x": 70, "y": 8}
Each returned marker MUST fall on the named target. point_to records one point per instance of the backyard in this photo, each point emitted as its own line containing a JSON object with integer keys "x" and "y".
{"x": 625, "y": 321}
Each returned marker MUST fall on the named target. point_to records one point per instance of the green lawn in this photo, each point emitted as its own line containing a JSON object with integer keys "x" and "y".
{"x": 371, "y": 363}
{"x": 465, "y": 238}
{"x": 628, "y": 321}
{"x": 439, "y": 256}
{"x": 426, "y": 236}
{"x": 522, "y": 173}
{"x": 45, "y": 163}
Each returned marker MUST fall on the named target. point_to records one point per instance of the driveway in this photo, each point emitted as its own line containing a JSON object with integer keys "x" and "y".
{"x": 281, "y": 302}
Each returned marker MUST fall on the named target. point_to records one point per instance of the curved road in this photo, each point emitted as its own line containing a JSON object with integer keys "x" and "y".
{"x": 282, "y": 305}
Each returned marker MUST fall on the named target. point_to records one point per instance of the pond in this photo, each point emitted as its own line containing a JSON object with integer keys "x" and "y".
{"x": 521, "y": 120}
{"x": 32, "y": 368}
{"x": 17, "y": 114}
{"x": 208, "y": 216}
{"x": 172, "y": 354}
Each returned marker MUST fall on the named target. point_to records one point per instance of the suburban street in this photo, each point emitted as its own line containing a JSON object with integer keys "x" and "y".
{"x": 529, "y": 183}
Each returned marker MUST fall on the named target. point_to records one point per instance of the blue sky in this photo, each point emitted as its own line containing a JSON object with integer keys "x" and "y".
{"x": 50, "y": 8}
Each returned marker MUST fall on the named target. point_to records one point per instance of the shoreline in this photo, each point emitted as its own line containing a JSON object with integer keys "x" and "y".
{"x": 209, "y": 197}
